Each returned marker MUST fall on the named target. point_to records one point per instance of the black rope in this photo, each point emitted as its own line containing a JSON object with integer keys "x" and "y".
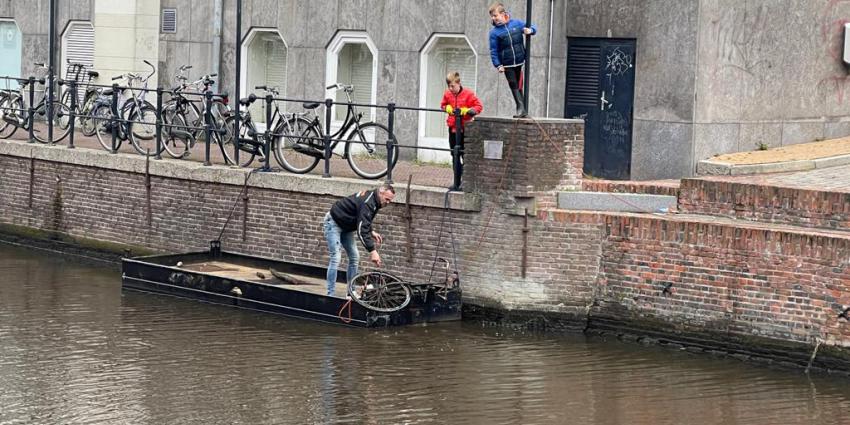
{"x": 238, "y": 198}
{"x": 440, "y": 237}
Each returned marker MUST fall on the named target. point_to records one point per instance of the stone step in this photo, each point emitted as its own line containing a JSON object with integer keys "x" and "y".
{"x": 618, "y": 202}
{"x": 753, "y": 200}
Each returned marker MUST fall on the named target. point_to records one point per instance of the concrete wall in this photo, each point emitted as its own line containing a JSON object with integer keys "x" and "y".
{"x": 666, "y": 34}
{"x": 769, "y": 72}
{"x": 33, "y": 18}
{"x": 125, "y": 34}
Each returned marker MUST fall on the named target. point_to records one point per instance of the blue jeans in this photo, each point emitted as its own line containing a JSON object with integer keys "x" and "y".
{"x": 336, "y": 237}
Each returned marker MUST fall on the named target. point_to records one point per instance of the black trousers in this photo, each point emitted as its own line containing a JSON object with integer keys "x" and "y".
{"x": 457, "y": 162}
{"x": 514, "y": 77}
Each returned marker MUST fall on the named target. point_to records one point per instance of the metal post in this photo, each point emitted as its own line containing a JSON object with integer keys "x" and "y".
{"x": 207, "y": 125}
{"x": 456, "y": 150}
{"x": 158, "y": 123}
{"x": 113, "y": 121}
{"x": 329, "y": 103}
{"x": 238, "y": 75}
{"x": 527, "y": 75}
{"x": 73, "y": 116}
{"x": 31, "y": 111}
{"x": 51, "y": 48}
{"x": 390, "y": 142}
{"x": 268, "y": 135}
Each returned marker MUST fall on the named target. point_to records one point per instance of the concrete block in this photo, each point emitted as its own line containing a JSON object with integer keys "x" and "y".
{"x": 834, "y": 130}
{"x": 773, "y": 167}
{"x": 710, "y": 168}
{"x": 752, "y": 135}
{"x": 620, "y": 202}
{"x": 714, "y": 139}
{"x": 833, "y": 161}
{"x": 801, "y": 132}
{"x": 661, "y": 150}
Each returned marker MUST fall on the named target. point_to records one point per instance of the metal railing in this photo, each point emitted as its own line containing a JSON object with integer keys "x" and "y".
{"x": 388, "y": 111}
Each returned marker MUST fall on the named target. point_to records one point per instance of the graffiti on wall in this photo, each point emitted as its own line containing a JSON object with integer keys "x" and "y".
{"x": 737, "y": 41}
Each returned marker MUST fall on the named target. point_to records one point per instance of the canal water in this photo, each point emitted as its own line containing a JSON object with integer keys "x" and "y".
{"x": 76, "y": 349}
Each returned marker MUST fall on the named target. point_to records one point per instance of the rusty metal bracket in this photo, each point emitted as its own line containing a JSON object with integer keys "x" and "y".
{"x": 525, "y": 231}
{"x": 245, "y": 216}
{"x": 149, "y": 215}
{"x": 408, "y": 216}
{"x": 32, "y": 180}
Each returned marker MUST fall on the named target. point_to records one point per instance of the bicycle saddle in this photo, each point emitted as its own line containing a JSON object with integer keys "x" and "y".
{"x": 94, "y": 74}
{"x": 310, "y": 105}
{"x": 107, "y": 92}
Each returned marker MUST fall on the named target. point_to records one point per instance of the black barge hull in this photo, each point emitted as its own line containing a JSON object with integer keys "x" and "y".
{"x": 245, "y": 281}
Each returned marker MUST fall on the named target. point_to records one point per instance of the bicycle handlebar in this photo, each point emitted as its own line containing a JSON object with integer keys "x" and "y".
{"x": 117, "y": 77}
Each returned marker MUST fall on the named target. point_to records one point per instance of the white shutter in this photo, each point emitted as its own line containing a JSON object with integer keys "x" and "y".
{"x": 448, "y": 55}
{"x": 361, "y": 77}
{"x": 276, "y": 65}
{"x": 79, "y": 48}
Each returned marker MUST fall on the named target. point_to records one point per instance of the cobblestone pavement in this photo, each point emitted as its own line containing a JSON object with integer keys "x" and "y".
{"x": 832, "y": 179}
{"x": 433, "y": 175}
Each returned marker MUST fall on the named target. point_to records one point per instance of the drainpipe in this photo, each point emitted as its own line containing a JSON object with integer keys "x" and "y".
{"x": 549, "y": 54}
{"x": 216, "y": 41}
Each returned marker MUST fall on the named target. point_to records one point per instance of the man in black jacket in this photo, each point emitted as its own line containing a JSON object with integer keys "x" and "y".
{"x": 347, "y": 217}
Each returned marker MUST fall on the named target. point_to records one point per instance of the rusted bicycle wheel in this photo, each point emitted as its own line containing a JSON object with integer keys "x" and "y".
{"x": 379, "y": 291}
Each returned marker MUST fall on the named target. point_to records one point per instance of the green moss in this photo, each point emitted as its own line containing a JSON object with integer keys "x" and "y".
{"x": 58, "y": 239}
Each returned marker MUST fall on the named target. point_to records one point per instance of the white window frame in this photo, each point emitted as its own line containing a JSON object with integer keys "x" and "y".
{"x": 63, "y": 62}
{"x": 243, "y": 77}
{"x": 434, "y": 142}
{"x": 331, "y": 63}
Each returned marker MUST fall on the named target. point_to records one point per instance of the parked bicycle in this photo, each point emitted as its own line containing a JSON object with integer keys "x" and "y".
{"x": 252, "y": 142}
{"x": 79, "y": 74}
{"x": 133, "y": 119}
{"x": 300, "y": 144}
{"x": 15, "y": 114}
{"x": 184, "y": 121}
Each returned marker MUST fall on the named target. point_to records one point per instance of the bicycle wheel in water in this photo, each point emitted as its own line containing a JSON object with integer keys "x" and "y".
{"x": 379, "y": 291}
{"x": 297, "y": 132}
{"x": 366, "y": 150}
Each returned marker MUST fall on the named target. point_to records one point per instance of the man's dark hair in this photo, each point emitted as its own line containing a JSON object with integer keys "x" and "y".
{"x": 387, "y": 187}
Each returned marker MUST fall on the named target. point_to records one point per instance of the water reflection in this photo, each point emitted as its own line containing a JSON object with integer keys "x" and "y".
{"x": 75, "y": 349}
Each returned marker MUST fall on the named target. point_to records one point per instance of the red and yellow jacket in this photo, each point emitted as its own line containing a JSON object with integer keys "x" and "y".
{"x": 464, "y": 99}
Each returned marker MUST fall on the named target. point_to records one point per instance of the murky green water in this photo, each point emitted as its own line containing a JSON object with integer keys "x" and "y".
{"x": 76, "y": 349}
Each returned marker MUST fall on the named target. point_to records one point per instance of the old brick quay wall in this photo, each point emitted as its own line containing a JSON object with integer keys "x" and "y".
{"x": 705, "y": 281}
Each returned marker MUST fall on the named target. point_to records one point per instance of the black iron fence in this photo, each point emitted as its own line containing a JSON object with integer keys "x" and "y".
{"x": 19, "y": 109}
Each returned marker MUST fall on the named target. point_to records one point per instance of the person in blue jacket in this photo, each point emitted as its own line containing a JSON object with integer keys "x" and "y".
{"x": 507, "y": 51}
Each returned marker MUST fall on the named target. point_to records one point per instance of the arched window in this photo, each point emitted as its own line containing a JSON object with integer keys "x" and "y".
{"x": 77, "y": 48}
{"x": 352, "y": 59}
{"x": 10, "y": 51}
{"x": 442, "y": 54}
{"x": 264, "y": 64}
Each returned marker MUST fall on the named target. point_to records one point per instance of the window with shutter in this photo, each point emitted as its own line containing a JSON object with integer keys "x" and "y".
{"x": 443, "y": 54}
{"x": 355, "y": 68}
{"x": 78, "y": 48}
{"x": 265, "y": 66}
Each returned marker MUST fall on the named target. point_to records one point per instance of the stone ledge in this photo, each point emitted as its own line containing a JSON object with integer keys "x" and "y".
{"x": 709, "y": 167}
{"x": 624, "y": 202}
{"x": 195, "y": 171}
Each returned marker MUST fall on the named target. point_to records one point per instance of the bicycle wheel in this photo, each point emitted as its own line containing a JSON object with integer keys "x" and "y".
{"x": 142, "y": 129}
{"x": 101, "y": 116}
{"x": 379, "y": 291}
{"x": 8, "y": 104}
{"x": 366, "y": 150}
{"x": 297, "y": 131}
{"x": 86, "y": 122}
{"x": 176, "y": 140}
{"x": 246, "y": 154}
{"x": 226, "y": 150}
{"x": 61, "y": 127}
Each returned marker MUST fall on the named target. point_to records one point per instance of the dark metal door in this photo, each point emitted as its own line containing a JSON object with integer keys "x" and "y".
{"x": 600, "y": 89}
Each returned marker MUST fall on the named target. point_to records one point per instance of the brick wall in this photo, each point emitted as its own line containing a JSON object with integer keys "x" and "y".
{"x": 537, "y": 155}
{"x": 713, "y": 283}
{"x": 807, "y": 208}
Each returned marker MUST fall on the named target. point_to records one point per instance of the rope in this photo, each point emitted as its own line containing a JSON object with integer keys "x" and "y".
{"x": 339, "y": 314}
{"x": 440, "y": 236}
{"x": 239, "y": 198}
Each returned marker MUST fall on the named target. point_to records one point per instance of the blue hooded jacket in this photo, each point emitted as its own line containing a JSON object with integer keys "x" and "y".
{"x": 507, "y": 43}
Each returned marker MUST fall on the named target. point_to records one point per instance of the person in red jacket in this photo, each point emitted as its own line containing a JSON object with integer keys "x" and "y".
{"x": 459, "y": 98}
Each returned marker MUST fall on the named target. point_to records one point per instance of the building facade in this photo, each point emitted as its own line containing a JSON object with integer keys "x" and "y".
{"x": 662, "y": 84}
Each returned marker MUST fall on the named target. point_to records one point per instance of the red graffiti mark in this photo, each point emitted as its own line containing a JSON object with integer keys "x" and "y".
{"x": 832, "y": 35}
{"x": 837, "y": 84}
